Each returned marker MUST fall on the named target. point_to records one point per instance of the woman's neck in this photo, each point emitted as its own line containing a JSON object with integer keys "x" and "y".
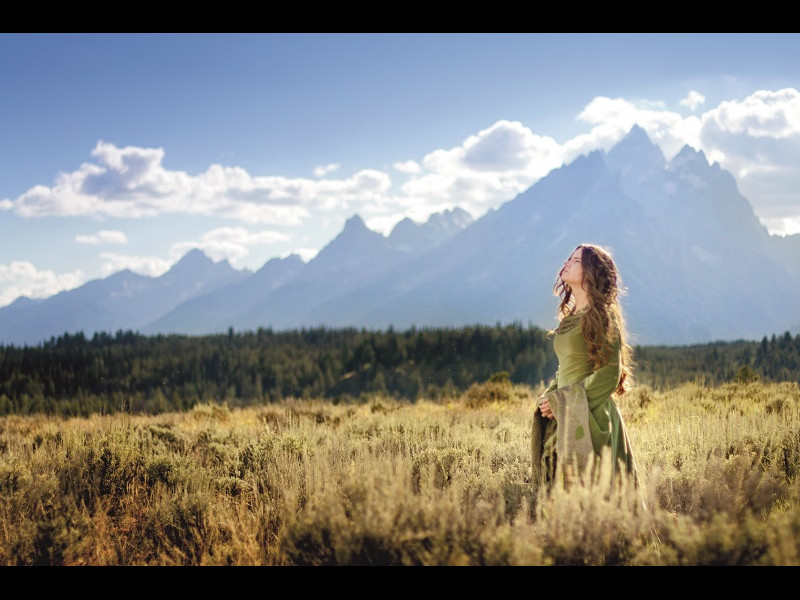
{"x": 581, "y": 299}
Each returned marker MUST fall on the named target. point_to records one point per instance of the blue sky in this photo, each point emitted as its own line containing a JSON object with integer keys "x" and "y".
{"x": 125, "y": 151}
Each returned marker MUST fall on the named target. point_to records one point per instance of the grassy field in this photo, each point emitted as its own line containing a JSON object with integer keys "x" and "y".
{"x": 383, "y": 482}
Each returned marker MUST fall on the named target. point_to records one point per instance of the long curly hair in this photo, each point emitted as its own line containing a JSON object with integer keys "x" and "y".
{"x": 603, "y": 323}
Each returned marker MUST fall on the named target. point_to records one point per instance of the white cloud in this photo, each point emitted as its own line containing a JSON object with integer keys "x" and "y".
{"x": 131, "y": 182}
{"x": 487, "y": 169}
{"x": 758, "y": 140}
{"x": 103, "y": 236}
{"x": 323, "y": 170}
{"x": 408, "y": 166}
{"x": 504, "y": 146}
{"x": 762, "y": 114}
{"x": 151, "y": 266}
{"x": 693, "y": 100}
{"x": 6, "y": 204}
{"x": 22, "y": 278}
{"x": 230, "y": 243}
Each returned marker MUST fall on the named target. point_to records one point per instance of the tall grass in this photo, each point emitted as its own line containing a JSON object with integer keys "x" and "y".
{"x": 383, "y": 482}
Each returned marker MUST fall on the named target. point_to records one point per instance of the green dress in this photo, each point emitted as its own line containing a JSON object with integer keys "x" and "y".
{"x": 606, "y": 425}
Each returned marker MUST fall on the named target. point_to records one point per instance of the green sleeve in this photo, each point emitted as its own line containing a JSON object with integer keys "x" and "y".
{"x": 553, "y": 385}
{"x": 604, "y": 381}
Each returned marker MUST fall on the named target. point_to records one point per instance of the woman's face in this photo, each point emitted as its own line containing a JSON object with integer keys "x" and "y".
{"x": 572, "y": 273}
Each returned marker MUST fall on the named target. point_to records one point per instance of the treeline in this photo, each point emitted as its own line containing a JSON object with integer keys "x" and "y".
{"x": 773, "y": 359}
{"x": 75, "y": 375}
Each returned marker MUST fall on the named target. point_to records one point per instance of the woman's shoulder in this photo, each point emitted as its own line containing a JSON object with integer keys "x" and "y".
{"x": 570, "y": 322}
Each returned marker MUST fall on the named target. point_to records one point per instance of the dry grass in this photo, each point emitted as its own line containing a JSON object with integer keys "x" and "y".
{"x": 313, "y": 483}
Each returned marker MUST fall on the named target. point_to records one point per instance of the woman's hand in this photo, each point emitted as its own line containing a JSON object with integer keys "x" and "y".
{"x": 546, "y": 411}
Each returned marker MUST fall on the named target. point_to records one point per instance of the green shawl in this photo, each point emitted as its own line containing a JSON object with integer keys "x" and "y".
{"x": 573, "y": 441}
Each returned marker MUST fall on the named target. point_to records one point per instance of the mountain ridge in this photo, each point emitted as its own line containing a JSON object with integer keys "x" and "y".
{"x": 686, "y": 241}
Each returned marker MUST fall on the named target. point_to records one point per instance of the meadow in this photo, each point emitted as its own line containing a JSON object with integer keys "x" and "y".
{"x": 387, "y": 482}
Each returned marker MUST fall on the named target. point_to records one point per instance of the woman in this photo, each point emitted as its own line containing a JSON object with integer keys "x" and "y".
{"x": 594, "y": 368}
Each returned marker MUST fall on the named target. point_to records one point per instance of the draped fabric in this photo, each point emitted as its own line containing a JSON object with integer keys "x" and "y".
{"x": 582, "y": 401}
{"x": 571, "y": 440}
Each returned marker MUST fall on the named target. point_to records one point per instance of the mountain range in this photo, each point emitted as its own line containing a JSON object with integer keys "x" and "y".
{"x": 696, "y": 262}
